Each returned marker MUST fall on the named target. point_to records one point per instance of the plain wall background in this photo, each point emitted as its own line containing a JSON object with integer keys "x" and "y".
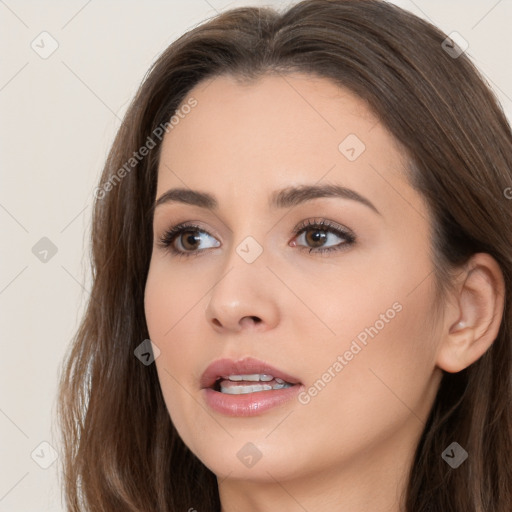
{"x": 58, "y": 119}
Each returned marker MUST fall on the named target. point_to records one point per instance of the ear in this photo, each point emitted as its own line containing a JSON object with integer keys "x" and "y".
{"x": 473, "y": 318}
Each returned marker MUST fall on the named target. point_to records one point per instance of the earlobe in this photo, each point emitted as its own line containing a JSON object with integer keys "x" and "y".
{"x": 473, "y": 324}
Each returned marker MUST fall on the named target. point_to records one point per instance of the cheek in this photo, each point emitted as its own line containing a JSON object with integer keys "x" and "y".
{"x": 174, "y": 309}
{"x": 172, "y": 304}
{"x": 170, "y": 296}
{"x": 383, "y": 362}
{"x": 382, "y": 350}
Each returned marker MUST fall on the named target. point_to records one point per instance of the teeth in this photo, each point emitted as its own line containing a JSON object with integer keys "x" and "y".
{"x": 255, "y": 377}
{"x": 262, "y": 382}
{"x": 240, "y": 390}
{"x": 254, "y": 388}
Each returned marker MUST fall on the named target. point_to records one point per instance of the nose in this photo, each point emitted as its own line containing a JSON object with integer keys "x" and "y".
{"x": 245, "y": 298}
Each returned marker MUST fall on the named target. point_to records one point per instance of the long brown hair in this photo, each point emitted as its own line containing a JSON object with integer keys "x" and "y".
{"x": 121, "y": 450}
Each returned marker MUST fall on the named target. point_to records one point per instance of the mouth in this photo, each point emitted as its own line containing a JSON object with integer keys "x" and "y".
{"x": 245, "y": 376}
{"x": 247, "y": 387}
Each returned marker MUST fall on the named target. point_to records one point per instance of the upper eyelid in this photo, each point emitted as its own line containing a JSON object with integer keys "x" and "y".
{"x": 323, "y": 223}
{"x": 197, "y": 225}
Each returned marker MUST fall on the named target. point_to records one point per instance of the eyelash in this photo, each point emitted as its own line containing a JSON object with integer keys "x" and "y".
{"x": 168, "y": 238}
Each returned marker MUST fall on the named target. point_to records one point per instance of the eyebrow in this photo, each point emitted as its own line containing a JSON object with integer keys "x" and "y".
{"x": 285, "y": 198}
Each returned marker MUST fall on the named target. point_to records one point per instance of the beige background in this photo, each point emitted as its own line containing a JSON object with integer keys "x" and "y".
{"x": 58, "y": 118}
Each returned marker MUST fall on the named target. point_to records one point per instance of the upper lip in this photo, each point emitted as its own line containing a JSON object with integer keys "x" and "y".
{"x": 245, "y": 366}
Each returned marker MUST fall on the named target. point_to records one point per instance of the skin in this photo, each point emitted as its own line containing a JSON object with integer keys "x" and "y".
{"x": 350, "y": 447}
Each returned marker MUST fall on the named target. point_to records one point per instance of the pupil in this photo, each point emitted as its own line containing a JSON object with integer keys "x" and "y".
{"x": 190, "y": 238}
{"x": 318, "y": 236}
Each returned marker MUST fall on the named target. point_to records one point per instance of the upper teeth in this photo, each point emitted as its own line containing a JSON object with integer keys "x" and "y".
{"x": 254, "y": 377}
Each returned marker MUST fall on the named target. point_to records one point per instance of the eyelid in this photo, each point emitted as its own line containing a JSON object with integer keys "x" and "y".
{"x": 192, "y": 224}
{"x": 322, "y": 222}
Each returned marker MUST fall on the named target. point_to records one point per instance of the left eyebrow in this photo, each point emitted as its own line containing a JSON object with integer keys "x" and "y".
{"x": 292, "y": 196}
{"x": 284, "y": 198}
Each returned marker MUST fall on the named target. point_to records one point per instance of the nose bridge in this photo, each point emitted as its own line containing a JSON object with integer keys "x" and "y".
{"x": 242, "y": 289}
{"x": 248, "y": 237}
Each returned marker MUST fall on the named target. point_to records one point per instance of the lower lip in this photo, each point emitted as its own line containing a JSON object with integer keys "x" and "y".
{"x": 249, "y": 404}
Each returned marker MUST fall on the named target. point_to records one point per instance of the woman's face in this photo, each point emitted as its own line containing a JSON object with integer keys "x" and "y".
{"x": 353, "y": 325}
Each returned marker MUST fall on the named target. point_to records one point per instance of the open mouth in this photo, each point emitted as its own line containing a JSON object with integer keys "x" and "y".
{"x": 244, "y": 384}
{"x": 246, "y": 387}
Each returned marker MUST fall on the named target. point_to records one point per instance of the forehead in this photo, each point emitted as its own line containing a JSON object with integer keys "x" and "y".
{"x": 293, "y": 109}
{"x": 247, "y": 139}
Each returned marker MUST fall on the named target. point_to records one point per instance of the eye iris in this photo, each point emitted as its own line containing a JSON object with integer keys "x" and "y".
{"x": 190, "y": 236}
{"x": 317, "y": 238}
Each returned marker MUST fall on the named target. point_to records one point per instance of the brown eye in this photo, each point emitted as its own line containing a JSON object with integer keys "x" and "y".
{"x": 189, "y": 239}
{"x": 316, "y": 236}
{"x": 185, "y": 239}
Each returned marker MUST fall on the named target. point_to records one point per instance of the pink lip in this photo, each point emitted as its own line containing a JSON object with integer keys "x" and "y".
{"x": 250, "y": 404}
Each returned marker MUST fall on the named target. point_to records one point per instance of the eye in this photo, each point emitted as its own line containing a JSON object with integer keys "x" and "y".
{"x": 319, "y": 233}
{"x": 184, "y": 240}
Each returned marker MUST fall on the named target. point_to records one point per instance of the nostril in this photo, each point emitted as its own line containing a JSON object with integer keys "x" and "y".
{"x": 254, "y": 319}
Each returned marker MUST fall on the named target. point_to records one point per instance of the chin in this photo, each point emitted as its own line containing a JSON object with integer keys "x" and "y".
{"x": 256, "y": 461}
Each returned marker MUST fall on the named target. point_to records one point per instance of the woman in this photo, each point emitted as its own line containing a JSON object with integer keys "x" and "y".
{"x": 307, "y": 214}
